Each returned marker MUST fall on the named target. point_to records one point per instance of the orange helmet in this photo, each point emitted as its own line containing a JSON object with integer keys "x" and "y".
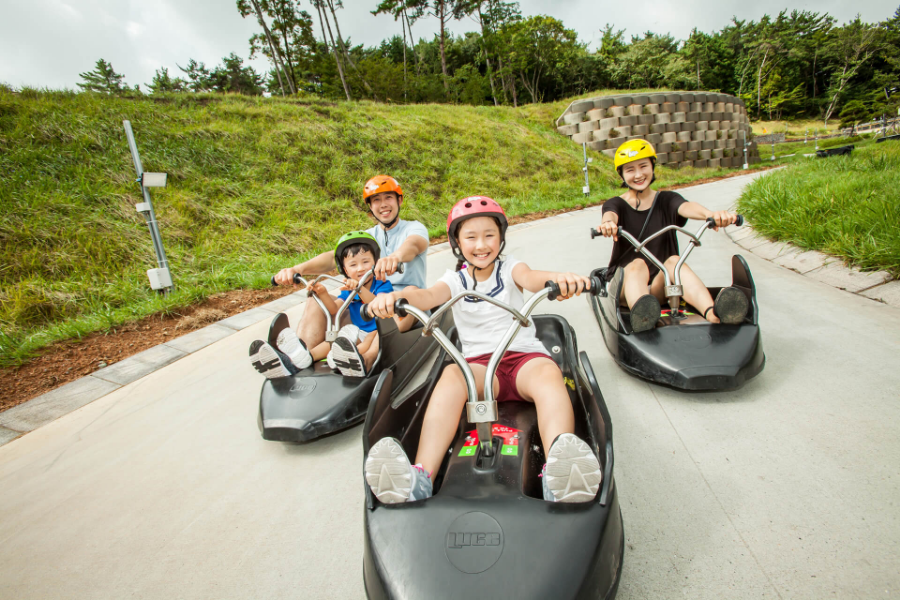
{"x": 379, "y": 184}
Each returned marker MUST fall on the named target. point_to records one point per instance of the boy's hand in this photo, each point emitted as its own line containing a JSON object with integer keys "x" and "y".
{"x": 571, "y": 284}
{"x": 318, "y": 289}
{"x": 350, "y": 284}
{"x": 385, "y": 267}
{"x": 723, "y": 218}
{"x": 285, "y": 276}
{"x": 383, "y": 305}
{"x": 609, "y": 229}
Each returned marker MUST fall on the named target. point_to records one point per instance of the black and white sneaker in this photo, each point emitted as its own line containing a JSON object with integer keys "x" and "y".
{"x": 348, "y": 359}
{"x": 269, "y": 361}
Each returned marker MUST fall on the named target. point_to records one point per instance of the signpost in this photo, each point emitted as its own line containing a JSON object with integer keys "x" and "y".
{"x": 587, "y": 186}
{"x": 160, "y": 278}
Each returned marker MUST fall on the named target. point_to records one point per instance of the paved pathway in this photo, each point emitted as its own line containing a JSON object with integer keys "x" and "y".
{"x": 786, "y": 488}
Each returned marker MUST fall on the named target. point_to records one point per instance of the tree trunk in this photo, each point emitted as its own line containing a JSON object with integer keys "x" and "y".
{"x": 487, "y": 57}
{"x": 815, "y": 56}
{"x": 442, "y": 11}
{"x": 759, "y": 85}
{"x": 275, "y": 58}
{"x": 340, "y": 40}
{"x": 403, "y": 24}
{"x": 289, "y": 72}
{"x": 337, "y": 60}
{"x": 412, "y": 44}
{"x": 699, "y": 86}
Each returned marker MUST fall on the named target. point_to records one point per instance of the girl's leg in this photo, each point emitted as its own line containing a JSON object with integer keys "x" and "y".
{"x": 540, "y": 381}
{"x": 695, "y": 292}
{"x": 368, "y": 348}
{"x": 636, "y": 276}
{"x": 442, "y": 415}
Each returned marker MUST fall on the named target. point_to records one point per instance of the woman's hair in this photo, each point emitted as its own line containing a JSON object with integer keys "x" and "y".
{"x": 461, "y": 261}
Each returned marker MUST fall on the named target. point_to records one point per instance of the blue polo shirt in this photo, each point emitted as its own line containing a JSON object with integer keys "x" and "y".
{"x": 378, "y": 287}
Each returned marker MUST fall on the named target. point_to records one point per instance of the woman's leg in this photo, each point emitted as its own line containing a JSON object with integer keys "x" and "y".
{"x": 442, "y": 415}
{"x": 540, "y": 381}
{"x": 636, "y": 277}
{"x": 695, "y": 291}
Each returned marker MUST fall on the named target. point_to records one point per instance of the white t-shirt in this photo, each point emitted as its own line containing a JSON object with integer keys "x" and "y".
{"x": 481, "y": 325}
{"x": 391, "y": 240}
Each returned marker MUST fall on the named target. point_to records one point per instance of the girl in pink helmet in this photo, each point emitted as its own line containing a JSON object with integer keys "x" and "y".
{"x": 476, "y": 228}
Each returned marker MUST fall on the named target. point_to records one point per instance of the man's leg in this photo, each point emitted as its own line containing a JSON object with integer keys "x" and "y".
{"x": 312, "y": 325}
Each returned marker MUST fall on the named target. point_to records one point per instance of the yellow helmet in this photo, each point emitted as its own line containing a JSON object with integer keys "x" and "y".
{"x": 633, "y": 150}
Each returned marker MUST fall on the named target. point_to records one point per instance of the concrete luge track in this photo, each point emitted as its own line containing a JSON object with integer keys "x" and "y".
{"x": 785, "y": 488}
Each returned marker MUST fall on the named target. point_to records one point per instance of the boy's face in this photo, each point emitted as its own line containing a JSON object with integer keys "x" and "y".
{"x": 479, "y": 241}
{"x": 385, "y": 206}
{"x": 638, "y": 174}
{"x": 358, "y": 265}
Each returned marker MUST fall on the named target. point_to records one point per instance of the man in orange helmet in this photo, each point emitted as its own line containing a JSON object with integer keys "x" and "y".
{"x": 400, "y": 242}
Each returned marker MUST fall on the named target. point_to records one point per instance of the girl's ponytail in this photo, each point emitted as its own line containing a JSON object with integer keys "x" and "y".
{"x": 459, "y": 264}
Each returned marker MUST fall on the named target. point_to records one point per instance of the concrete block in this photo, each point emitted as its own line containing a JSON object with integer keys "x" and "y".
{"x": 595, "y": 114}
{"x": 600, "y": 135}
{"x": 567, "y": 129}
{"x": 706, "y": 116}
{"x": 694, "y": 145}
{"x": 588, "y": 126}
{"x": 670, "y": 136}
{"x": 573, "y": 118}
{"x": 667, "y": 107}
{"x": 889, "y": 293}
{"x": 679, "y": 117}
{"x": 676, "y": 127}
{"x": 664, "y": 146}
{"x": 698, "y": 136}
{"x": 597, "y": 145}
{"x": 691, "y": 155}
{"x": 673, "y": 98}
{"x": 52, "y": 405}
{"x": 705, "y": 145}
{"x": 640, "y": 130}
{"x": 646, "y": 119}
{"x": 141, "y": 364}
{"x": 717, "y": 153}
{"x": 640, "y": 99}
{"x": 685, "y": 163}
{"x": 616, "y": 111}
{"x": 714, "y": 163}
{"x": 609, "y": 122}
{"x": 623, "y": 101}
{"x": 702, "y": 125}
{"x": 720, "y": 144}
{"x": 636, "y": 109}
{"x": 700, "y": 163}
{"x": 582, "y": 106}
{"x": 8, "y": 435}
{"x": 657, "y": 99}
{"x": 664, "y": 118}
{"x": 709, "y": 106}
{"x": 840, "y": 276}
{"x": 684, "y": 137}
{"x": 719, "y": 107}
{"x": 684, "y": 107}
{"x": 714, "y": 125}
{"x": 623, "y": 130}
{"x": 730, "y": 144}
{"x": 696, "y": 107}
{"x": 654, "y": 138}
{"x": 705, "y": 154}
{"x": 255, "y": 315}
{"x": 613, "y": 143}
{"x": 604, "y": 103}
{"x": 610, "y": 152}
{"x": 658, "y": 128}
{"x": 579, "y": 138}
{"x": 634, "y": 137}
{"x": 652, "y": 109}
{"x": 676, "y": 157}
{"x": 202, "y": 338}
{"x": 688, "y": 126}
{"x": 693, "y": 116}
{"x": 662, "y": 158}
{"x": 629, "y": 120}
{"x": 687, "y": 97}
{"x": 729, "y": 107}
{"x": 718, "y": 115}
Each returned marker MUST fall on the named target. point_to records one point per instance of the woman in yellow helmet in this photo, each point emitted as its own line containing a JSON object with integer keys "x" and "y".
{"x": 642, "y": 212}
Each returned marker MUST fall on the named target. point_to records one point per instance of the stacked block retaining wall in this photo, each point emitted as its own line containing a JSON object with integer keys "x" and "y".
{"x": 699, "y": 129}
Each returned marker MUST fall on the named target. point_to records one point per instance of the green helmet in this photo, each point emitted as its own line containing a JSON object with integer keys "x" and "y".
{"x": 354, "y": 237}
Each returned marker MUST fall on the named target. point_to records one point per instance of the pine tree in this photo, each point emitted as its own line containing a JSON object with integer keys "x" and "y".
{"x": 103, "y": 79}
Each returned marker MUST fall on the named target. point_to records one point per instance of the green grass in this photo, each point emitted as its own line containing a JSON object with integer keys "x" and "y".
{"x": 843, "y": 205}
{"x": 255, "y": 184}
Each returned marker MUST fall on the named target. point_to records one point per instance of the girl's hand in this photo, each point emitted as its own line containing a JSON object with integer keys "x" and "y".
{"x": 571, "y": 284}
{"x": 350, "y": 284}
{"x": 383, "y": 305}
{"x": 609, "y": 229}
{"x": 723, "y": 218}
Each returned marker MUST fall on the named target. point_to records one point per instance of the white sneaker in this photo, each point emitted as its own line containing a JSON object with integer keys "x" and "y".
{"x": 572, "y": 472}
{"x": 391, "y": 477}
{"x": 351, "y": 332}
{"x": 288, "y": 343}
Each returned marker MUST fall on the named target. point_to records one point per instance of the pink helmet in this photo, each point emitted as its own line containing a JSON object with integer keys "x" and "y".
{"x": 474, "y": 206}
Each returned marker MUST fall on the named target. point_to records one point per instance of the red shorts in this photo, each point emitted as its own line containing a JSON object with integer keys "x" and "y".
{"x": 507, "y": 371}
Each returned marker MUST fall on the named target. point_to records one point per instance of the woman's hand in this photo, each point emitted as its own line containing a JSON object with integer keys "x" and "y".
{"x": 571, "y": 284}
{"x": 723, "y": 218}
{"x": 609, "y": 229}
{"x": 383, "y": 305}
{"x": 350, "y": 284}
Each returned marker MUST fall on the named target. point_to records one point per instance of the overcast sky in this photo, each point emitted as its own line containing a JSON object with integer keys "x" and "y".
{"x": 47, "y": 43}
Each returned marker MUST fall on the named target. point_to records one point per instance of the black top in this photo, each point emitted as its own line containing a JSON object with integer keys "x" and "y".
{"x": 665, "y": 214}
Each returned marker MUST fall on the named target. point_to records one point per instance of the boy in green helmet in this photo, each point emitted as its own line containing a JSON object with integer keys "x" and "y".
{"x": 354, "y": 351}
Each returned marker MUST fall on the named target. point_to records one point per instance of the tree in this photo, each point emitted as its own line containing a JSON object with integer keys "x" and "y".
{"x": 853, "y": 45}
{"x": 199, "y": 77}
{"x": 540, "y": 48}
{"x": 162, "y": 82}
{"x": 245, "y": 7}
{"x": 103, "y": 79}
{"x": 644, "y": 62}
{"x": 235, "y": 78}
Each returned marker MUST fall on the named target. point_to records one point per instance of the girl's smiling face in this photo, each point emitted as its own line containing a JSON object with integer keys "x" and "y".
{"x": 638, "y": 174}
{"x": 479, "y": 241}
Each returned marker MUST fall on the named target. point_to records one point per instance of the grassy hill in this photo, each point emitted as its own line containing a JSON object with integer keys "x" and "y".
{"x": 255, "y": 184}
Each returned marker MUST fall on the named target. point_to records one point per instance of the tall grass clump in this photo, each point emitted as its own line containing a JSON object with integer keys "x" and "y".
{"x": 842, "y": 205}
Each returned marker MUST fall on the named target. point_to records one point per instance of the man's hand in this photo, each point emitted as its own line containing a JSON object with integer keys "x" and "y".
{"x": 383, "y": 306}
{"x": 285, "y": 276}
{"x": 385, "y": 267}
{"x": 571, "y": 284}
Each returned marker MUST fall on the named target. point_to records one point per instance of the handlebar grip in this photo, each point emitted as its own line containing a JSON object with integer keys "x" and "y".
{"x": 596, "y": 285}
{"x": 739, "y": 221}
{"x": 711, "y": 221}
{"x": 400, "y": 307}
{"x": 594, "y": 233}
{"x": 554, "y": 290}
{"x": 364, "y": 313}
{"x": 400, "y": 268}
{"x": 297, "y": 279}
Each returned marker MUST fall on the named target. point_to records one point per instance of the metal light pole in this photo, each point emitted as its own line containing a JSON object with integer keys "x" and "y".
{"x": 817, "y": 139}
{"x": 160, "y": 278}
{"x": 773, "y": 149}
{"x": 587, "y": 185}
{"x": 806, "y": 137}
{"x": 744, "y": 135}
